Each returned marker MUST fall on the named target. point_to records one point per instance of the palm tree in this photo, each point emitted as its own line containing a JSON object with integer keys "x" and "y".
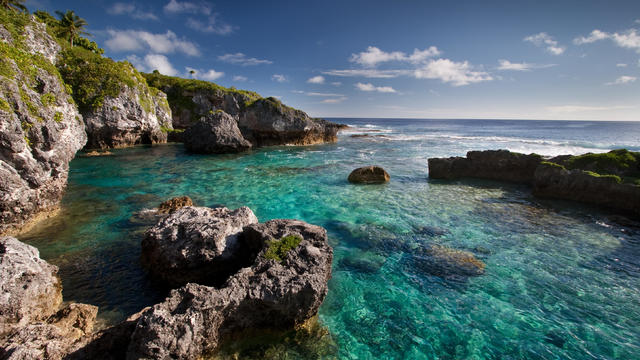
{"x": 13, "y": 5}
{"x": 71, "y": 25}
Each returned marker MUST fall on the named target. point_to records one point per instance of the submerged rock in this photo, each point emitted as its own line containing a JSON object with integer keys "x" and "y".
{"x": 215, "y": 133}
{"x": 445, "y": 262}
{"x": 29, "y": 287}
{"x": 369, "y": 175}
{"x": 490, "y": 164}
{"x": 194, "y": 319}
{"x": 174, "y": 204}
{"x": 196, "y": 244}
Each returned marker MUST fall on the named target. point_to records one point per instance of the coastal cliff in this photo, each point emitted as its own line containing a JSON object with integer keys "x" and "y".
{"x": 611, "y": 179}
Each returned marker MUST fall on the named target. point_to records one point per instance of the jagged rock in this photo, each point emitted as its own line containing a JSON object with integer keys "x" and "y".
{"x": 553, "y": 181}
{"x": 51, "y": 339}
{"x": 442, "y": 261}
{"x": 369, "y": 175}
{"x": 29, "y": 287}
{"x": 196, "y": 244}
{"x": 40, "y": 129}
{"x": 268, "y": 122}
{"x": 174, "y": 204}
{"x": 490, "y": 164}
{"x": 215, "y": 133}
{"x": 127, "y": 120}
{"x": 268, "y": 294}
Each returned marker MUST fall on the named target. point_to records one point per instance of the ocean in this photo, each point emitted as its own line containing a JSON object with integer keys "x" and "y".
{"x": 562, "y": 279}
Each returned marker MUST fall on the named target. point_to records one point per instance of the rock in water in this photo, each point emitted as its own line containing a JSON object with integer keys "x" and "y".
{"x": 196, "y": 244}
{"x": 442, "y": 261}
{"x": 40, "y": 127}
{"x": 369, "y": 175}
{"x": 268, "y": 294}
{"x": 215, "y": 133}
{"x": 29, "y": 287}
{"x": 174, "y": 204}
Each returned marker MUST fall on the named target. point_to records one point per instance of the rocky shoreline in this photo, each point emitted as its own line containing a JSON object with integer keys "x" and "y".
{"x": 609, "y": 179}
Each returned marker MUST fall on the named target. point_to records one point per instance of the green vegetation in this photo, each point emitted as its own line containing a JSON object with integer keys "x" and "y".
{"x": 552, "y": 164}
{"x": 278, "y": 249}
{"x": 57, "y": 117}
{"x": 13, "y": 5}
{"x": 71, "y": 26}
{"x": 167, "y": 130}
{"x": 614, "y": 177}
{"x": 48, "y": 99}
{"x": 621, "y": 165}
{"x": 4, "y": 105}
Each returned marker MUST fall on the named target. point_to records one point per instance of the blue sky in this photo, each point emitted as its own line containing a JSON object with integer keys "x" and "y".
{"x": 418, "y": 59}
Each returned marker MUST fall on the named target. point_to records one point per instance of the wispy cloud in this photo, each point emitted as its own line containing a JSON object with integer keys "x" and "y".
{"x": 242, "y": 59}
{"x": 177, "y": 7}
{"x": 131, "y": 10}
{"x": 336, "y": 83}
{"x": 137, "y": 41}
{"x": 324, "y": 94}
{"x": 316, "y": 80}
{"x": 240, "y": 78}
{"x": 368, "y": 73}
{"x": 373, "y": 56}
{"x": 153, "y": 62}
{"x": 629, "y": 39}
{"x": 211, "y": 25}
{"x": 583, "y": 108}
{"x": 456, "y": 73}
{"x": 209, "y": 75}
{"x": 334, "y": 100}
{"x": 370, "y": 87}
{"x": 523, "y": 66}
{"x": 279, "y": 78}
{"x": 547, "y": 41}
{"x": 625, "y": 79}
{"x": 621, "y": 65}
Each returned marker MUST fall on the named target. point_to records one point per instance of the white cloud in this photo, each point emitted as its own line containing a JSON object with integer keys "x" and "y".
{"x": 508, "y": 65}
{"x": 131, "y": 10}
{"x": 336, "y": 83}
{"x": 334, "y": 100}
{"x": 210, "y": 75}
{"x": 621, "y": 65}
{"x": 240, "y": 78}
{"x": 623, "y": 80}
{"x": 323, "y": 94}
{"x": 316, "y": 80}
{"x": 581, "y": 108}
{"x": 279, "y": 78}
{"x": 456, "y": 73}
{"x": 212, "y": 25}
{"x": 368, "y": 73}
{"x": 242, "y": 59}
{"x": 629, "y": 39}
{"x": 593, "y": 37}
{"x": 545, "y": 40}
{"x": 176, "y": 7}
{"x": 153, "y": 62}
{"x": 371, "y": 87}
{"x": 373, "y": 56}
{"x": 133, "y": 40}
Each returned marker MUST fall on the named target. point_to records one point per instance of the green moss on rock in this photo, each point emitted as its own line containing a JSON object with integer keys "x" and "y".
{"x": 278, "y": 249}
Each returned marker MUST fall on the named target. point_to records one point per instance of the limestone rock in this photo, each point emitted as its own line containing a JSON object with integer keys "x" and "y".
{"x": 268, "y": 294}
{"x": 29, "y": 287}
{"x": 369, "y": 175}
{"x": 490, "y": 164}
{"x": 215, "y": 133}
{"x": 195, "y": 244}
{"x": 442, "y": 261}
{"x": 174, "y": 204}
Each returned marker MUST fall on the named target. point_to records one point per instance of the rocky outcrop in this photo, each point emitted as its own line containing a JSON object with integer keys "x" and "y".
{"x": 554, "y": 181}
{"x": 40, "y": 127}
{"x": 196, "y": 244}
{"x": 136, "y": 116}
{"x": 268, "y": 122}
{"x": 262, "y": 121}
{"x": 215, "y": 133}
{"x": 369, "y": 175}
{"x": 31, "y": 326}
{"x": 195, "y": 318}
{"x": 173, "y": 204}
{"x": 500, "y": 165}
{"x": 445, "y": 262}
{"x": 29, "y": 287}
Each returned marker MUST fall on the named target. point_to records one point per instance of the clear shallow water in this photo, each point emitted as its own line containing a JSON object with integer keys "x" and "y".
{"x": 562, "y": 280}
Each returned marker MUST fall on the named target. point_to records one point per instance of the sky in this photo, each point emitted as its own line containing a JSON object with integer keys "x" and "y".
{"x": 570, "y": 60}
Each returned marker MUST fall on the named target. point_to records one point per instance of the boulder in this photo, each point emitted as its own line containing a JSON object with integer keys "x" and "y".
{"x": 369, "y": 175}
{"x": 174, "y": 204}
{"x": 215, "y": 133}
{"x": 29, "y": 287}
{"x": 40, "y": 127}
{"x": 195, "y": 244}
{"x": 445, "y": 262}
{"x": 501, "y": 165}
{"x": 269, "y": 294}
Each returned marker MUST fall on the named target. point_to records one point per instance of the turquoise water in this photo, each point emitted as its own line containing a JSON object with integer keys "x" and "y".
{"x": 562, "y": 280}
